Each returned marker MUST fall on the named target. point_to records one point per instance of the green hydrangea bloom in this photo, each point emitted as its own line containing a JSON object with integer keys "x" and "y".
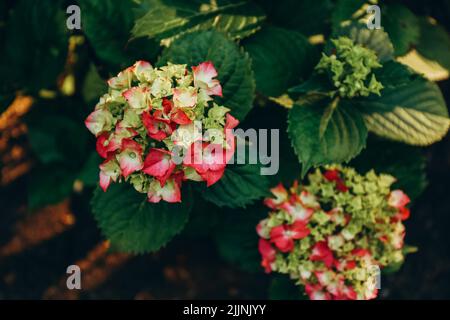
{"x": 350, "y": 68}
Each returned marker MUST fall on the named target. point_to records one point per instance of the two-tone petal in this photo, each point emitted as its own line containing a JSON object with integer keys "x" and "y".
{"x": 281, "y": 196}
{"x": 130, "y": 157}
{"x": 157, "y": 127}
{"x": 142, "y": 70}
{"x": 169, "y": 192}
{"x": 185, "y": 97}
{"x": 268, "y": 254}
{"x": 99, "y": 121}
{"x": 159, "y": 164}
{"x": 109, "y": 171}
{"x": 398, "y": 199}
{"x": 203, "y": 78}
{"x": 122, "y": 80}
{"x": 137, "y": 98}
{"x": 321, "y": 252}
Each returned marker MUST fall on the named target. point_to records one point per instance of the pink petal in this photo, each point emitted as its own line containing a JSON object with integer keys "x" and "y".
{"x": 171, "y": 192}
{"x": 179, "y": 117}
{"x": 205, "y": 71}
{"x": 130, "y": 158}
{"x": 98, "y": 121}
{"x": 215, "y": 90}
{"x": 281, "y": 195}
{"x": 141, "y": 67}
{"x": 122, "y": 80}
{"x": 211, "y": 176}
{"x": 398, "y": 199}
{"x": 183, "y": 98}
{"x": 266, "y": 250}
{"x": 158, "y": 163}
{"x": 102, "y": 145}
{"x": 231, "y": 122}
{"x": 203, "y": 78}
{"x": 299, "y": 230}
{"x": 157, "y": 129}
{"x": 105, "y": 181}
{"x": 136, "y": 97}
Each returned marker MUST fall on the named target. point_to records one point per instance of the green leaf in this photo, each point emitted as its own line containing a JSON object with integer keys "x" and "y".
{"x": 402, "y": 26}
{"x": 404, "y": 162}
{"x": 233, "y": 66}
{"x": 34, "y": 49}
{"x": 134, "y": 225}
{"x": 203, "y": 218}
{"x": 288, "y": 53}
{"x": 306, "y": 16}
{"x": 237, "y": 240}
{"x": 107, "y": 25}
{"x": 274, "y": 118}
{"x": 93, "y": 86}
{"x": 344, "y": 10}
{"x": 57, "y": 138}
{"x": 167, "y": 19}
{"x": 89, "y": 173}
{"x": 434, "y": 42}
{"x": 319, "y": 138}
{"x": 240, "y": 186}
{"x": 376, "y": 39}
{"x": 284, "y": 288}
{"x": 49, "y": 185}
{"x": 413, "y": 112}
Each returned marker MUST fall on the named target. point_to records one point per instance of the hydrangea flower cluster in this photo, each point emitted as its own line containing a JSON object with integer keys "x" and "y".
{"x": 332, "y": 234}
{"x": 349, "y": 67}
{"x": 157, "y": 127}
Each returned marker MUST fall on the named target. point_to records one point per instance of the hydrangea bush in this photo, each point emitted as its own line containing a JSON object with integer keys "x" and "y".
{"x": 161, "y": 150}
{"x": 331, "y": 234}
{"x": 153, "y": 117}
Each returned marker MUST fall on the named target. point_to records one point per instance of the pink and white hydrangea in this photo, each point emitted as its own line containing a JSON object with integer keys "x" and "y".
{"x": 146, "y": 119}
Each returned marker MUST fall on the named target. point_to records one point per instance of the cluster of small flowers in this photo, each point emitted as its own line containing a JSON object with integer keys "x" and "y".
{"x": 350, "y": 68}
{"x": 157, "y": 127}
{"x": 331, "y": 235}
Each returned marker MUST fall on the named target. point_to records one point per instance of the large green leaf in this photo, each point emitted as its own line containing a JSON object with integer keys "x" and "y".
{"x": 233, "y": 66}
{"x": 134, "y": 225}
{"x": 237, "y": 239}
{"x": 49, "y": 184}
{"x": 306, "y": 16}
{"x": 344, "y": 10}
{"x": 33, "y": 50}
{"x": 57, "y": 138}
{"x": 288, "y": 53}
{"x": 413, "y": 111}
{"x": 326, "y": 132}
{"x": 284, "y": 288}
{"x": 274, "y": 119}
{"x": 107, "y": 25}
{"x": 169, "y": 18}
{"x": 402, "y": 26}
{"x": 240, "y": 186}
{"x": 376, "y": 39}
{"x": 93, "y": 86}
{"x": 434, "y": 42}
{"x": 404, "y": 162}
{"x": 90, "y": 170}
